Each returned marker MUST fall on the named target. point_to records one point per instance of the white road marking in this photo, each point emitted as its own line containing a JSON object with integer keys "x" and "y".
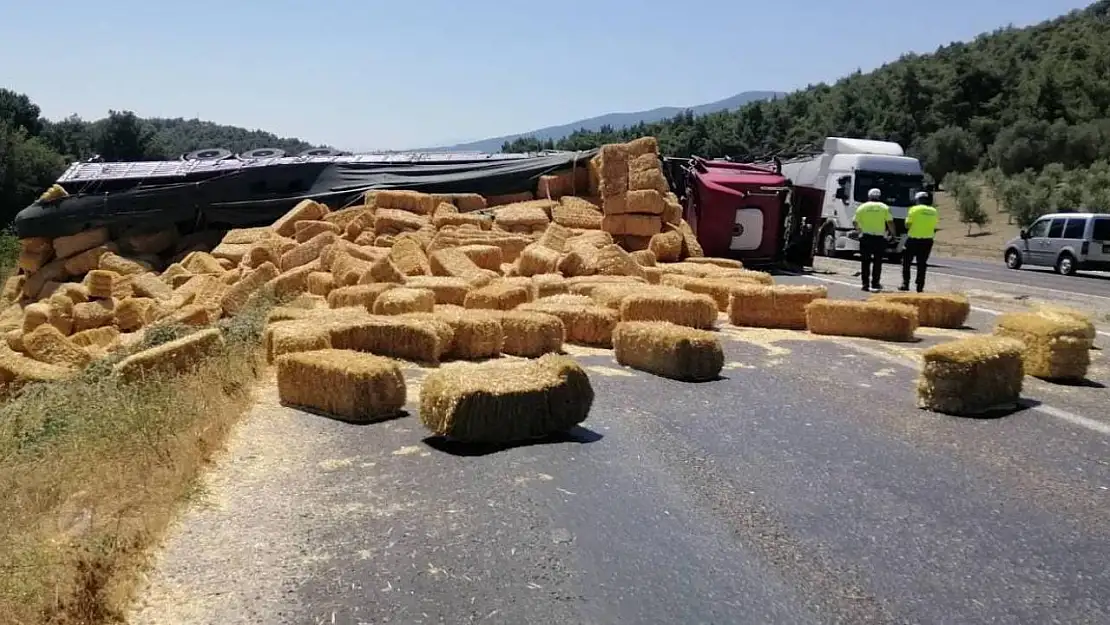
{"x": 976, "y": 308}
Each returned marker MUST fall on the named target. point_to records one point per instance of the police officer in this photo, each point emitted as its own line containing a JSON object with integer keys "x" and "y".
{"x": 921, "y": 228}
{"x": 875, "y": 224}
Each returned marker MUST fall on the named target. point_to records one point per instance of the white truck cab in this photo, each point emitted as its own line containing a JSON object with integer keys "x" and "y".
{"x": 839, "y": 179}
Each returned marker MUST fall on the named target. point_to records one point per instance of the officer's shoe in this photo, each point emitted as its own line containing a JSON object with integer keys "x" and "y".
{"x": 876, "y": 287}
{"x": 905, "y": 287}
{"x": 866, "y": 288}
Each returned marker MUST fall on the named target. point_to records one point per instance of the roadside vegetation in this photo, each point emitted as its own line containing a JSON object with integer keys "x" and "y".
{"x": 93, "y": 470}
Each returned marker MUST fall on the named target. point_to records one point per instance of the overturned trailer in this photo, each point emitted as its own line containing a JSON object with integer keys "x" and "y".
{"x": 224, "y": 193}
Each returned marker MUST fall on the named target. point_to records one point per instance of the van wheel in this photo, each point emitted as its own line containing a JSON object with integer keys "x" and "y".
{"x": 1013, "y": 259}
{"x": 1065, "y": 265}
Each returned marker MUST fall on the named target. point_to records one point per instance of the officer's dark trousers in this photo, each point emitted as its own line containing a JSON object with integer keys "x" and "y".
{"x": 917, "y": 252}
{"x": 872, "y": 248}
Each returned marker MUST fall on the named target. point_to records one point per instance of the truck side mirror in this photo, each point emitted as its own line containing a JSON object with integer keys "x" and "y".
{"x": 1025, "y": 234}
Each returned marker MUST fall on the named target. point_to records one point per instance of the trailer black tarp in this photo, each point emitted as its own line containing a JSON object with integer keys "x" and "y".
{"x": 256, "y": 196}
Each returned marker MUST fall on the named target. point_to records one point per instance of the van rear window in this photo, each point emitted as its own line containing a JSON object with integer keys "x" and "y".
{"x": 1075, "y": 229}
{"x": 1102, "y": 229}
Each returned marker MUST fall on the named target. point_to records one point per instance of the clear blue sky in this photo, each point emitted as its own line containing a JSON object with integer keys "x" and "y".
{"x": 366, "y": 74}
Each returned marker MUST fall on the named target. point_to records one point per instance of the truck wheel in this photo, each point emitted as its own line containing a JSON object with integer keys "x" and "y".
{"x": 1065, "y": 265}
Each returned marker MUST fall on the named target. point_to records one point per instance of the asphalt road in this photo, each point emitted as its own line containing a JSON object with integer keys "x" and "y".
{"x": 805, "y": 487}
{"x": 980, "y": 272}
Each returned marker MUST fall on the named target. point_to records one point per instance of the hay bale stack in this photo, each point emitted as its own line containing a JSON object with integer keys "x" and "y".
{"x": 669, "y": 350}
{"x": 360, "y": 295}
{"x": 875, "y": 320}
{"x": 585, "y": 323}
{"x": 530, "y": 334}
{"x": 401, "y": 300}
{"x": 676, "y": 306}
{"x": 355, "y": 387}
{"x": 934, "y": 310}
{"x": 575, "y": 212}
{"x": 1056, "y": 347}
{"x": 450, "y": 262}
{"x": 971, "y": 376}
{"x": 780, "y": 306}
{"x": 505, "y": 402}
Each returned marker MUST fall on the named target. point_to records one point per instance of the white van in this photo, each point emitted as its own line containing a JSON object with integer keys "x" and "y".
{"x": 1067, "y": 242}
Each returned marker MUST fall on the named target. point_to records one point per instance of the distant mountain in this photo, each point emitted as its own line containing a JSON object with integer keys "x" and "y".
{"x": 615, "y": 120}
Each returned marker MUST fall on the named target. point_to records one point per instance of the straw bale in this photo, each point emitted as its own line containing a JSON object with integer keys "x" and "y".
{"x": 248, "y": 236}
{"x": 485, "y": 256}
{"x": 172, "y": 272}
{"x": 361, "y": 225}
{"x": 259, "y": 254}
{"x": 418, "y": 340}
{"x": 523, "y": 282}
{"x": 669, "y": 350}
{"x": 348, "y": 385}
{"x": 321, "y": 283}
{"x": 453, "y": 263}
{"x": 332, "y": 253}
{"x": 306, "y": 252}
{"x": 1051, "y": 310}
{"x": 647, "y": 202}
{"x": 409, "y": 257}
{"x": 344, "y": 217}
{"x": 75, "y": 291}
{"x": 610, "y": 295}
{"x": 1056, "y": 347}
{"x": 632, "y": 225}
{"x": 46, "y": 344}
{"x": 651, "y": 180}
{"x": 643, "y": 258}
{"x": 240, "y": 293}
{"x": 680, "y": 307}
{"x": 210, "y": 293}
{"x": 574, "y": 212}
{"x": 971, "y": 376}
{"x": 411, "y": 201}
{"x": 555, "y": 186}
{"x": 690, "y": 245}
{"x": 35, "y": 315}
{"x": 67, "y": 246}
{"x": 672, "y": 209}
{"x": 441, "y": 220}
{"x": 232, "y": 275}
{"x": 447, "y": 290}
{"x": 476, "y": 334}
{"x": 644, "y": 162}
{"x": 361, "y": 295}
{"x": 503, "y": 402}
{"x": 95, "y": 314}
{"x": 876, "y": 320}
{"x": 537, "y": 259}
{"x": 152, "y": 242}
{"x": 545, "y": 284}
{"x": 106, "y": 338}
{"x": 761, "y": 306}
{"x": 934, "y": 310}
{"x": 123, "y": 266}
{"x": 292, "y": 282}
{"x": 567, "y": 298}
{"x": 17, "y": 369}
{"x": 36, "y": 244}
{"x": 641, "y": 146}
{"x": 290, "y": 337}
{"x": 395, "y": 221}
{"x": 307, "y": 229}
{"x": 584, "y": 285}
{"x": 401, "y": 300}
{"x": 613, "y": 169}
{"x": 132, "y": 313}
{"x": 104, "y": 284}
{"x": 52, "y": 271}
{"x": 511, "y": 245}
{"x": 149, "y": 285}
{"x": 33, "y": 259}
{"x": 14, "y": 339}
{"x": 170, "y": 358}
{"x": 579, "y": 261}
{"x": 555, "y": 237}
{"x": 530, "y": 334}
{"x": 511, "y": 198}
{"x": 305, "y": 210}
{"x": 614, "y": 261}
{"x": 587, "y": 324}
{"x": 524, "y": 214}
{"x": 13, "y": 289}
{"x": 469, "y": 202}
{"x": 349, "y": 270}
{"x": 497, "y": 296}
{"x": 61, "y": 314}
{"x": 614, "y": 205}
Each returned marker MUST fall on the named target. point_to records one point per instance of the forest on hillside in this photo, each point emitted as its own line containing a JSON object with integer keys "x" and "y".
{"x": 34, "y": 151}
{"x": 1026, "y": 110}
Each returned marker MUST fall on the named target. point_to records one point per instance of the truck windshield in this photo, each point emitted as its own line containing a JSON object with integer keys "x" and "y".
{"x": 898, "y": 189}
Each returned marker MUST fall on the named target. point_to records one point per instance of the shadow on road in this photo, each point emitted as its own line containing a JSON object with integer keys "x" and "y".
{"x": 576, "y": 434}
{"x": 1084, "y": 383}
{"x": 1002, "y": 412}
{"x": 331, "y": 417}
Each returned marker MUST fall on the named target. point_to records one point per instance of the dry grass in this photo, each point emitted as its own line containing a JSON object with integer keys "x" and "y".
{"x": 94, "y": 468}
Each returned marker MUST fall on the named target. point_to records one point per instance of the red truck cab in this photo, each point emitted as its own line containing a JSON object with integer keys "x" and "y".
{"x": 743, "y": 211}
